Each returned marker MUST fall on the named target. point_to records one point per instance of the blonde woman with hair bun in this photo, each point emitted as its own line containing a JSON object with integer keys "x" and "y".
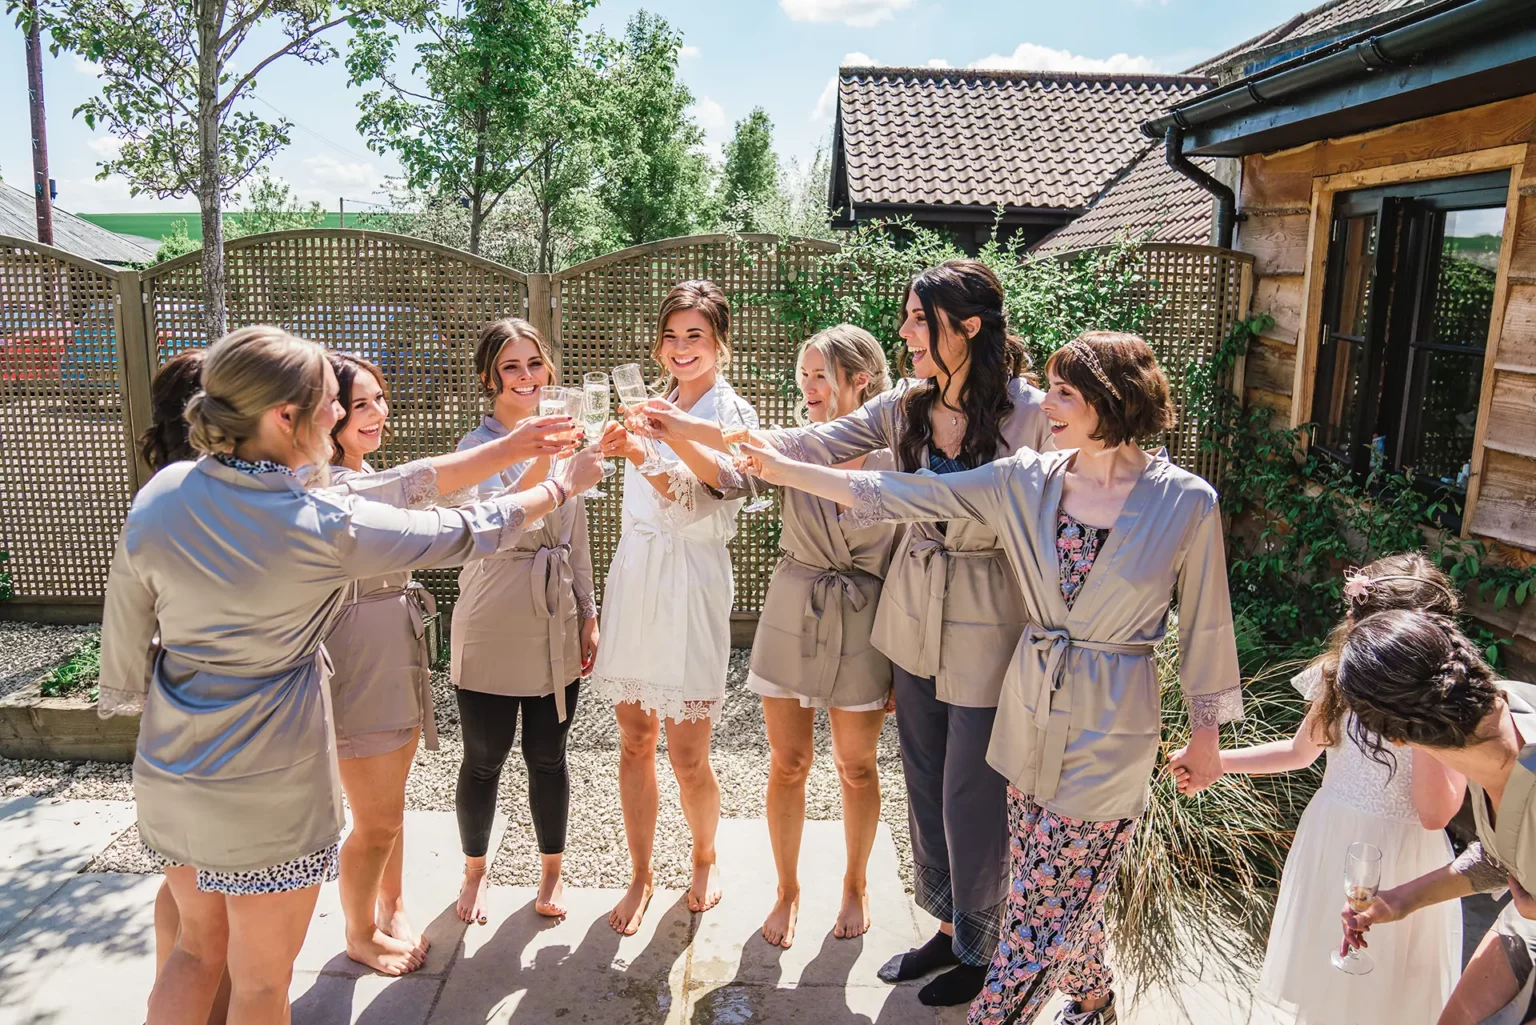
{"x": 813, "y": 649}
{"x": 239, "y": 569}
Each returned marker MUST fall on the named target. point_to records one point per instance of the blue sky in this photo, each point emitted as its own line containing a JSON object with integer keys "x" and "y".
{"x": 738, "y": 54}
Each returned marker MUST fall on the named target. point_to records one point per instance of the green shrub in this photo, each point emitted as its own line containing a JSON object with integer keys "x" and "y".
{"x": 80, "y": 672}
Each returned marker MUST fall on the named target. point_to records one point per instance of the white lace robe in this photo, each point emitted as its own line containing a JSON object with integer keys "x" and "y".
{"x": 666, "y": 617}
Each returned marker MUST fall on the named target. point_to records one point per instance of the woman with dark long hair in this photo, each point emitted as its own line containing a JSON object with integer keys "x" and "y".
{"x": 1412, "y": 679}
{"x": 951, "y": 611}
{"x": 165, "y": 440}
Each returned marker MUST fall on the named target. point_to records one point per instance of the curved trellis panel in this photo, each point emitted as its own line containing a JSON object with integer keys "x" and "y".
{"x": 605, "y": 314}
{"x": 410, "y": 306}
{"x": 65, "y": 471}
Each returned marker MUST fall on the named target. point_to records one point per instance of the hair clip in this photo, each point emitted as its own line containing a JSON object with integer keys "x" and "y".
{"x": 1356, "y": 585}
{"x": 1088, "y": 356}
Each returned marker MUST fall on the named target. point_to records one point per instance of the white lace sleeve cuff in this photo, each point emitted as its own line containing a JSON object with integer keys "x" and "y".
{"x": 787, "y": 441}
{"x": 514, "y": 517}
{"x": 683, "y": 485}
{"x": 111, "y": 701}
{"x": 1208, "y": 710}
{"x": 586, "y": 606}
{"x": 868, "y": 506}
{"x": 418, "y": 484}
{"x": 731, "y": 479}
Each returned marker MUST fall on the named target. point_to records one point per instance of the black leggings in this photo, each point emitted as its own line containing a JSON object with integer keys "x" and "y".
{"x": 489, "y": 723}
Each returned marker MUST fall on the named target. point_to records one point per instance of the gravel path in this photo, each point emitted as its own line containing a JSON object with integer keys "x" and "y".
{"x": 595, "y": 850}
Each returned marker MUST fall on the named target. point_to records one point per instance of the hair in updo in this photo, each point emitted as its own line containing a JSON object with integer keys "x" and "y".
{"x": 165, "y": 440}
{"x": 1405, "y": 581}
{"x": 849, "y": 350}
{"x": 1412, "y": 677}
{"x": 1144, "y": 406}
{"x": 249, "y": 371}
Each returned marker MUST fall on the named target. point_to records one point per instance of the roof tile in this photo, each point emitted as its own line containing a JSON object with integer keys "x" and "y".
{"x": 1150, "y": 200}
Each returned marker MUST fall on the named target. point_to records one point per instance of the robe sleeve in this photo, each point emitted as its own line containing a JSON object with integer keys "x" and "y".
{"x": 692, "y": 500}
{"x": 862, "y": 431}
{"x": 887, "y": 496}
{"x": 381, "y": 538}
{"x": 129, "y": 627}
{"x": 411, "y": 485}
{"x": 1208, "y": 670}
{"x": 1481, "y": 869}
{"x": 581, "y": 566}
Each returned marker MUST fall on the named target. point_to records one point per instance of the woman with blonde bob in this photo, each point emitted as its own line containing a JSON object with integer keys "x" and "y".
{"x": 813, "y": 647}
{"x": 240, "y": 568}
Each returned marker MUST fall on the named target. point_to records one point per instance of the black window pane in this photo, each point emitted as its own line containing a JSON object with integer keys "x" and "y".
{"x": 1469, "y": 259}
{"x": 1448, "y": 384}
{"x": 1338, "y": 390}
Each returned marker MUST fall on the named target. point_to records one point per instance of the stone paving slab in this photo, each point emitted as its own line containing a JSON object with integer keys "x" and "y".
{"x": 368, "y": 1000}
{"x": 46, "y": 842}
{"x": 434, "y": 864}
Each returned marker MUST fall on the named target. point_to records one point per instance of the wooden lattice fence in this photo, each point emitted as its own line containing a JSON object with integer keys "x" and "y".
{"x": 79, "y": 344}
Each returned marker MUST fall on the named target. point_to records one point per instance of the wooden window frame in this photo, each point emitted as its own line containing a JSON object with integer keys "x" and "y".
{"x": 1324, "y": 189}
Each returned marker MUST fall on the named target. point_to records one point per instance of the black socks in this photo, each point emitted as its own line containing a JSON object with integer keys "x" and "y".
{"x": 937, "y": 953}
{"x": 959, "y": 985}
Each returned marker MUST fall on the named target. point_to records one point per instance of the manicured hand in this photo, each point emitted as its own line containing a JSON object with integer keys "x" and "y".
{"x": 766, "y": 463}
{"x": 539, "y": 436}
{"x": 619, "y": 443}
{"x": 662, "y": 420}
{"x": 1198, "y": 764}
{"x": 1383, "y": 909}
{"x": 581, "y": 471}
{"x": 588, "y": 646}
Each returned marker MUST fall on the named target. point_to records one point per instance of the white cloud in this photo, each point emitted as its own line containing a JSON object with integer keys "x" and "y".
{"x": 856, "y": 13}
{"x": 89, "y": 196}
{"x": 326, "y": 178}
{"x": 87, "y": 67}
{"x": 937, "y": 62}
{"x": 106, "y": 146}
{"x": 826, "y": 103}
{"x": 1034, "y": 57}
{"x": 685, "y": 51}
{"x": 710, "y": 116}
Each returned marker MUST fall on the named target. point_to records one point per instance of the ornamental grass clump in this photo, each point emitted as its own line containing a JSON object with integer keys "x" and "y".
{"x": 81, "y": 672}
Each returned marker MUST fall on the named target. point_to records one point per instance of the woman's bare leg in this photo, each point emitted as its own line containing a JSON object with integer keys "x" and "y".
{"x": 791, "y": 748}
{"x": 855, "y": 746}
{"x": 638, "y": 732}
{"x": 188, "y": 980}
{"x": 375, "y": 789}
{"x": 1487, "y": 984}
{"x": 389, "y": 913}
{"x": 688, "y": 751}
{"x": 265, "y": 934}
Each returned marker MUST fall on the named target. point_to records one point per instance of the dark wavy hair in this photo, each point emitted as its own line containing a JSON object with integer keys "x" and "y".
{"x": 1412, "y": 677}
{"x": 346, "y": 367}
{"x": 165, "y": 440}
{"x": 960, "y": 290}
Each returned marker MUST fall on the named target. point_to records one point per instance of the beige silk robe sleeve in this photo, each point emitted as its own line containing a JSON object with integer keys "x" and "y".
{"x": 951, "y": 608}
{"x": 814, "y": 632}
{"x": 242, "y": 575}
{"x": 1079, "y": 718}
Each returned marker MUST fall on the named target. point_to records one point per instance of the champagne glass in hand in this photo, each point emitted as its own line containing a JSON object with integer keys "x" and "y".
{"x": 576, "y": 409}
{"x": 630, "y": 381}
{"x": 596, "y": 410}
{"x": 552, "y": 403}
{"x": 734, "y": 432}
{"x": 1362, "y": 878}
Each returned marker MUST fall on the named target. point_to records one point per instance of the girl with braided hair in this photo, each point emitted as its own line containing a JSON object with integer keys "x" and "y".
{"x": 1411, "y": 679}
{"x": 1401, "y": 810}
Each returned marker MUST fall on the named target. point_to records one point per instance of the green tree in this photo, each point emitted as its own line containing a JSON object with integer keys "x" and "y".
{"x": 174, "y": 78}
{"x": 751, "y": 174}
{"x": 653, "y": 174}
{"x": 493, "y": 72}
{"x": 270, "y": 205}
{"x": 797, "y": 206}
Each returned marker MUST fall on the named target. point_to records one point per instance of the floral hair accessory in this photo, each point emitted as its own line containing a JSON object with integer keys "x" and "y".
{"x": 1089, "y": 357}
{"x": 1356, "y": 585}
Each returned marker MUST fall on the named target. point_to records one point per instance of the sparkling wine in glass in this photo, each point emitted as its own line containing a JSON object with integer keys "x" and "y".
{"x": 576, "y": 409}
{"x": 552, "y": 403}
{"x": 1362, "y": 878}
{"x": 735, "y": 432}
{"x": 596, "y": 409}
{"x": 629, "y": 379}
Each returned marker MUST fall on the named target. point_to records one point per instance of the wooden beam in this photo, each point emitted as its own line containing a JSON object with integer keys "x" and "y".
{"x": 1494, "y": 159}
{"x": 1312, "y": 308}
{"x": 1495, "y": 331}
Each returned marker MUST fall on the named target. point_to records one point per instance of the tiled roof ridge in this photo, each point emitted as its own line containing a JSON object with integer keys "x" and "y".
{"x": 1117, "y": 77}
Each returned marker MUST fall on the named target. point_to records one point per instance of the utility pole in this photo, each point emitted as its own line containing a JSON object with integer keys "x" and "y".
{"x": 343, "y": 201}
{"x": 39, "y": 129}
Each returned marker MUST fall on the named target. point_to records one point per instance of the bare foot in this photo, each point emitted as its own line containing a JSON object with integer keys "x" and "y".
{"x": 472, "y": 896}
{"x": 550, "y": 902}
{"x": 779, "y": 926}
{"x": 853, "y": 919}
{"x": 627, "y": 913}
{"x": 384, "y": 954}
{"x": 705, "y": 891}
{"x": 394, "y": 922}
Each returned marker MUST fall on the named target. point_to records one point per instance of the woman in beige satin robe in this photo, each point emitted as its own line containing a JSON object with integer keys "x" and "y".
{"x": 1414, "y": 682}
{"x": 950, "y": 613}
{"x": 813, "y": 647}
{"x": 524, "y": 634}
{"x": 1103, "y": 538}
{"x": 381, "y": 695}
{"x": 239, "y": 569}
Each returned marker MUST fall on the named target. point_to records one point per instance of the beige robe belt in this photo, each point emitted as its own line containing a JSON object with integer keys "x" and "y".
{"x": 550, "y": 577}
{"x": 822, "y": 625}
{"x": 1052, "y": 697}
{"x": 935, "y": 559}
{"x": 423, "y": 606}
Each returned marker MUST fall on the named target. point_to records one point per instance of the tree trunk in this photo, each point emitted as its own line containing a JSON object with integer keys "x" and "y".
{"x": 546, "y": 204}
{"x": 477, "y": 184}
{"x": 210, "y": 21}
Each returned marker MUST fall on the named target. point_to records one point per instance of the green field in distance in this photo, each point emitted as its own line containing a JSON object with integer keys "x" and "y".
{"x": 158, "y": 225}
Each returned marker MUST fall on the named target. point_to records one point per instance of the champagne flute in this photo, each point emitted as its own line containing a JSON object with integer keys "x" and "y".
{"x": 595, "y": 411}
{"x": 552, "y": 403}
{"x": 734, "y": 431}
{"x": 1362, "y": 878}
{"x": 629, "y": 379}
{"x": 576, "y": 409}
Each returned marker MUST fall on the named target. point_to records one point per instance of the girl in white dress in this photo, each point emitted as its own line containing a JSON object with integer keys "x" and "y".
{"x": 666, "y": 615}
{"x": 1404, "y": 813}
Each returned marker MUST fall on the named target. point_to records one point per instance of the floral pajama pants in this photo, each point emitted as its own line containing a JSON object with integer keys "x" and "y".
{"x": 1053, "y": 917}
